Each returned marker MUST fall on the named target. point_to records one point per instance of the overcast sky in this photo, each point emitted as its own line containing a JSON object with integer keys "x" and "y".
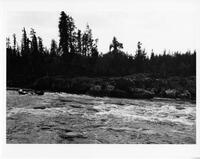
{"x": 158, "y": 24}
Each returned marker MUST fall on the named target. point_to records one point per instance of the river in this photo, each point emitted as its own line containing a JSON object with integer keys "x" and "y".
{"x": 68, "y": 118}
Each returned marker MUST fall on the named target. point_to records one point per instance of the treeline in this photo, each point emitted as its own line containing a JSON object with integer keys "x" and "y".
{"x": 76, "y": 54}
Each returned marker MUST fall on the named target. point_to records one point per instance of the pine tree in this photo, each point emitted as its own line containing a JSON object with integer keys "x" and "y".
{"x": 79, "y": 42}
{"x": 34, "y": 44}
{"x": 87, "y": 41}
{"x": 67, "y": 33}
{"x": 63, "y": 30}
{"x": 115, "y": 45}
{"x": 24, "y": 43}
{"x": 140, "y": 59}
{"x": 14, "y": 42}
{"x": 71, "y": 34}
{"x": 8, "y": 43}
{"x": 40, "y": 45}
{"x": 53, "y": 50}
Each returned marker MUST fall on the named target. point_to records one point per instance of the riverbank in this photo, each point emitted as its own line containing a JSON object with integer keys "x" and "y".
{"x": 138, "y": 86}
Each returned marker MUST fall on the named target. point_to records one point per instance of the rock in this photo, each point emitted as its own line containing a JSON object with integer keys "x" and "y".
{"x": 180, "y": 108}
{"x": 141, "y": 93}
{"x": 22, "y": 92}
{"x": 70, "y": 135}
{"x": 39, "y": 107}
{"x": 170, "y": 93}
{"x": 76, "y": 106}
{"x": 39, "y": 92}
{"x": 93, "y": 109}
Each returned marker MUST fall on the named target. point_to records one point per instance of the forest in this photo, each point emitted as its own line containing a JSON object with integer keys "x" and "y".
{"x": 77, "y": 55}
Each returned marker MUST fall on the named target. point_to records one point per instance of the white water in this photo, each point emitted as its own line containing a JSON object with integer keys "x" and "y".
{"x": 104, "y": 120}
{"x": 127, "y": 109}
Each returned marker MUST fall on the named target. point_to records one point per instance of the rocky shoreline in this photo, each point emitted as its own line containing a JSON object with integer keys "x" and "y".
{"x": 139, "y": 86}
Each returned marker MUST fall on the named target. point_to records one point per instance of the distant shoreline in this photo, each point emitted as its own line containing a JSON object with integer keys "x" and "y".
{"x": 155, "y": 98}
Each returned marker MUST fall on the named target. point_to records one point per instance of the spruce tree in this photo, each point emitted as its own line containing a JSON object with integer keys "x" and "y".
{"x": 115, "y": 45}
{"x": 63, "y": 33}
{"x": 53, "y": 50}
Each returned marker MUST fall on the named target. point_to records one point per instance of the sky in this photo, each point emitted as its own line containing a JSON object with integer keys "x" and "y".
{"x": 159, "y": 24}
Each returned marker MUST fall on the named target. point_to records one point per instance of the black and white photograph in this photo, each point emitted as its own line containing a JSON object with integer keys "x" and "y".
{"x": 101, "y": 72}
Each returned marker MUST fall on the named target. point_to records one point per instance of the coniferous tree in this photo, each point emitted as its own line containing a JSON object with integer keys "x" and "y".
{"x": 24, "y": 44}
{"x": 71, "y": 34}
{"x": 140, "y": 59}
{"x": 34, "y": 44}
{"x": 54, "y": 48}
{"x": 79, "y": 42}
{"x": 33, "y": 59}
{"x": 8, "y": 43}
{"x": 94, "y": 50}
{"x": 67, "y": 33}
{"x": 63, "y": 33}
{"x": 115, "y": 45}
{"x": 14, "y": 42}
{"x": 40, "y": 45}
{"x": 87, "y": 41}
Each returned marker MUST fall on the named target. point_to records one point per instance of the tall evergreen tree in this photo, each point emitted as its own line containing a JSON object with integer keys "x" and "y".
{"x": 40, "y": 45}
{"x": 53, "y": 50}
{"x": 140, "y": 59}
{"x": 24, "y": 43}
{"x": 8, "y": 42}
{"x": 71, "y": 34}
{"x": 63, "y": 33}
{"x": 34, "y": 44}
{"x": 67, "y": 33}
{"x": 87, "y": 41}
{"x": 79, "y": 41}
{"x": 14, "y": 42}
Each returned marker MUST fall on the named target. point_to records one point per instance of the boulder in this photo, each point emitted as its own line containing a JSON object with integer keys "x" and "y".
{"x": 22, "y": 92}
{"x": 71, "y": 135}
{"x": 171, "y": 93}
{"x": 39, "y": 107}
{"x": 39, "y": 92}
